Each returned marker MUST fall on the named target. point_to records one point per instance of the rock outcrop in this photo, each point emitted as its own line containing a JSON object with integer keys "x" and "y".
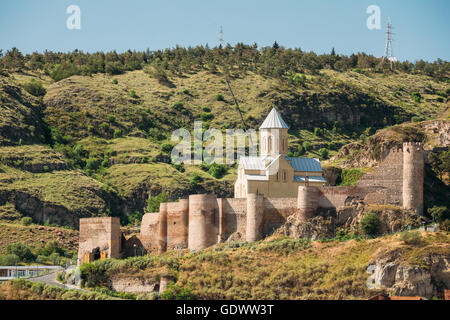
{"x": 393, "y": 219}
{"x": 401, "y": 279}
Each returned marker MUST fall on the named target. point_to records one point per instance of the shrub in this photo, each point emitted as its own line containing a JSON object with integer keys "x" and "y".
{"x": 349, "y": 177}
{"x": 179, "y": 167}
{"x": 156, "y": 135}
{"x": 133, "y": 94}
{"x": 134, "y": 217}
{"x": 416, "y": 119}
{"x": 217, "y": 170}
{"x": 370, "y": 224}
{"x": 195, "y": 179}
{"x": 307, "y": 146}
{"x": 176, "y": 292}
{"x": 440, "y": 99}
{"x": 318, "y": 132}
{"x": 417, "y": 97}
{"x": 111, "y": 118}
{"x": 37, "y": 288}
{"x": 104, "y": 126}
{"x": 49, "y": 248}
{"x": 205, "y": 116}
{"x": 445, "y": 226}
{"x": 206, "y": 109}
{"x": 411, "y": 237}
{"x": 178, "y": 106}
{"x": 35, "y": 88}
{"x": 439, "y": 214}
{"x": 324, "y": 153}
{"x": 154, "y": 202}
{"x": 118, "y": 133}
{"x": 115, "y": 81}
{"x": 9, "y": 260}
{"x": 167, "y": 147}
{"x": 219, "y": 97}
{"x": 21, "y": 250}
{"x": 54, "y": 258}
{"x": 26, "y": 221}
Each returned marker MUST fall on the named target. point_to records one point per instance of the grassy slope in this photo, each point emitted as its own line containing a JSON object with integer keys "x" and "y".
{"x": 280, "y": 268}
{"x": 33, "y": 235}
{"x": 77, "y": 106}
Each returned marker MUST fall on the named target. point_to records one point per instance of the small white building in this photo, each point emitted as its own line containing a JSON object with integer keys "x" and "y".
{"x": 14, "y": 272}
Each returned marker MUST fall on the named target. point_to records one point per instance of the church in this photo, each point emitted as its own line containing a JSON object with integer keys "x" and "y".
{"x": 273, "y": 173}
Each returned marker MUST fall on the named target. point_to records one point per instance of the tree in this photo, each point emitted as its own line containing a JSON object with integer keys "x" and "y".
{"x": 154, "y": 202}
{"x": 217, "y": 170}
{"x": 14, "y": 59}
{"x": 370, "y": 224}
{"x": 440, "y": 163}
{"x": 21, "y": 250}
{"x": 439, "y": 214}
{"x": 195, "y": 179}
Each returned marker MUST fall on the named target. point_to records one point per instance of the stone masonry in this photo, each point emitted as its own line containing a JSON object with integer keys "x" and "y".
{"x": 204, "y": 220}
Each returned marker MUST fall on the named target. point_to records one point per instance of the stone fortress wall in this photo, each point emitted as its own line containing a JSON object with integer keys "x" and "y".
{"x": 204, "y": 220}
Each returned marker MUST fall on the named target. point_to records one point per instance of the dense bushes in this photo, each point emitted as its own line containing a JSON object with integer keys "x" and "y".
{"x": 349, "y": 177}
{"x": 49, "y": 253}
{"x": 215, "y": 169}
{"x": 176, "y": 292}
{"x": 26, "y": 290}
{"x": 370, "y": 224}
{"x": 9, "y": 260}
{"x": 155, "y": 201}
{"x": 22, "y": 251}
{"x": 26, "y": 221}
{"x": 98, "y": 273}
{"x": 35, "y": 88}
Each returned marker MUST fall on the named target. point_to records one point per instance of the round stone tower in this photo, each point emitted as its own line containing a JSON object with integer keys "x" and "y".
{"x": 307, "y": 202}
{"x": 413, "y": 176}
{"x": 255, "y": 214}
{"x": 201, "y": 221}
{"x": 162, "y": 227}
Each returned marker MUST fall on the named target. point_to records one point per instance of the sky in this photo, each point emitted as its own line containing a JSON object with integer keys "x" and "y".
{"x": 421, "y": 27}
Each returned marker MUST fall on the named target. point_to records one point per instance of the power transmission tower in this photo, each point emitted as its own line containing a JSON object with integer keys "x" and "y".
{"x": 388, "y": 51}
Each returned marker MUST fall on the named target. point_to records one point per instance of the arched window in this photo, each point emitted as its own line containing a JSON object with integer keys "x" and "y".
{"x": 270, "y": 144}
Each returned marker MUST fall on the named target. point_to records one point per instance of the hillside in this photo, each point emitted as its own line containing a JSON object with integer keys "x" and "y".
{"x": 98, "y": 144}
{"x": 278, "y": 268}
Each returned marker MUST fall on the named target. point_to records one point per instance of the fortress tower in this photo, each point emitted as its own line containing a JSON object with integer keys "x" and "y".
{"x": 413, "y": 176}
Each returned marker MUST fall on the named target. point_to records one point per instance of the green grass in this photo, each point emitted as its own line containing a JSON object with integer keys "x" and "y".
{"x": 349, "y": 177}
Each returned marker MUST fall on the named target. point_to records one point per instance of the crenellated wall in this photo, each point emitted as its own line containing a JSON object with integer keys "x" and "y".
{"x": 204, "y": 220}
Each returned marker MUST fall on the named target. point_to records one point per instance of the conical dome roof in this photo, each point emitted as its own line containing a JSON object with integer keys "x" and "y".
{"x": 274, "y": 121}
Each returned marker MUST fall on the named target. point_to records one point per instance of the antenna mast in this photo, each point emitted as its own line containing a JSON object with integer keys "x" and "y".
{"x": 221, "y": 37}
